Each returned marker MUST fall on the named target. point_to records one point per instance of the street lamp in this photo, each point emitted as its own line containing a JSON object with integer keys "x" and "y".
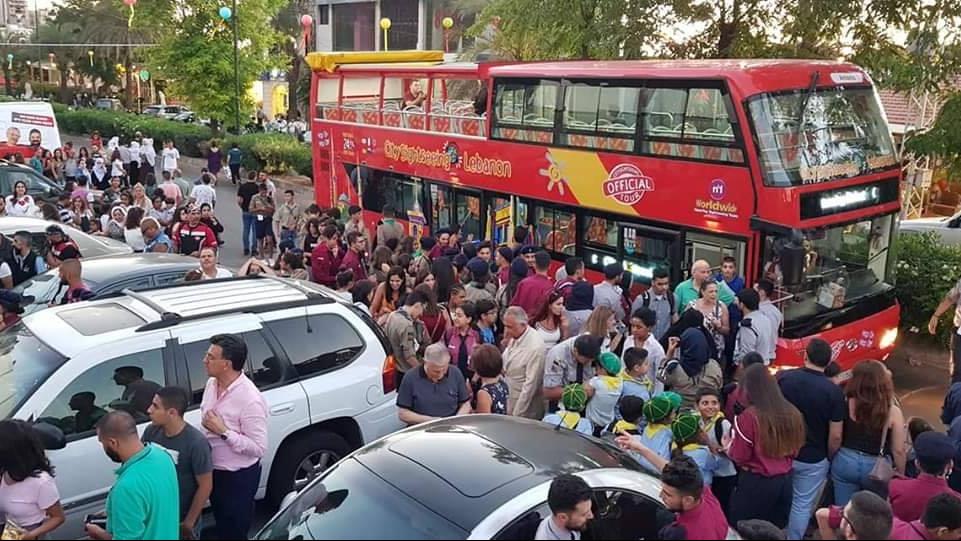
{"x": 228, "y": 14}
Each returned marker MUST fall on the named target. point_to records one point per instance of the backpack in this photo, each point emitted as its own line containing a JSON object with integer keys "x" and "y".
{"x": 646, "y": 300}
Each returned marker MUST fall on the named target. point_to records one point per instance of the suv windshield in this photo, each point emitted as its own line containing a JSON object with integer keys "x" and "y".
{"x": 841, "y": 133}
{"x": 334, "y": 506}
{"x": 25, "y": 363}
{"x": 819, "y": 271}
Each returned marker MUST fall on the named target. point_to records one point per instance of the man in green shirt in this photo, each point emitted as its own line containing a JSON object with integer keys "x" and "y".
{"x": 144, "y": 503}
{"x": 690, "y": 289}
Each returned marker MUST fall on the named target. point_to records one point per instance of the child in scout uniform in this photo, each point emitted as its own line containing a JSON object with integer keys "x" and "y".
{"x": 630, "y": 411}
{"x": 717, "y": 428}
{"x": 657, "y": 435}
{"x": 604, "y": 390}
{"x": 573, "y": 401}
{"x": 635, "y": 376}
{"x": 688, "y": 440}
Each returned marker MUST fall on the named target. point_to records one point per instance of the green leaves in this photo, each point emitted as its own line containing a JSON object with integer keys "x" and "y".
{"x": 196, "y": 56}
{"x": 926, "y": 270}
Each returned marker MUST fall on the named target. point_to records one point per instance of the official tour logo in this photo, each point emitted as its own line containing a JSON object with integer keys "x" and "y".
{"x": 627, "y": 185}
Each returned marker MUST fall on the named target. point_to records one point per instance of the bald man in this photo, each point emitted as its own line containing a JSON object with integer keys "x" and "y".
{"x": 144, "y": 502}
{"x": 690, "y": 289}
{"x": 71, "y": 276}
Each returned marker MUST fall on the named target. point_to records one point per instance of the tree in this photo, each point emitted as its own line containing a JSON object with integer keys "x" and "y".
{"x": 293, "y": 47}
{"x": 196, "y": 57}
{"x": 551, "y": 29}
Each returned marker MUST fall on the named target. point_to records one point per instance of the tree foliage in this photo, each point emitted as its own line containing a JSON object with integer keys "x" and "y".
{"x": 197, "y": 55}
{"x": 943, "y": 139}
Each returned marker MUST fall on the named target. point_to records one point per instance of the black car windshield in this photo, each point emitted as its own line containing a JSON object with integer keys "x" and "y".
{"x": 824, "y": 269}
{"x": 840, "y": 133}
{"x": 352, "y": 502}
{"x": 25, "y": 363}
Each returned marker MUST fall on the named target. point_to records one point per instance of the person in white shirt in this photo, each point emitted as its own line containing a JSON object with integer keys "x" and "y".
{"x": 20, "y": 203}
{"x": 570, "y": 501}
{"x": 262, "y": 178}
{"x": 204, "y": 193}
{"x": 208, "y": 266}
{"x": 170, "y": 157}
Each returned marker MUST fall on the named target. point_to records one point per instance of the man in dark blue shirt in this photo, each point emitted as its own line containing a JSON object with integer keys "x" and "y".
{"x": 822, "y": 404}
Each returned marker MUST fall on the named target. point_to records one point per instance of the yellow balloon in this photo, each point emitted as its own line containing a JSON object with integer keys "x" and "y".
{"x": 447, "y": 23}
{"x": 385, "y": 23}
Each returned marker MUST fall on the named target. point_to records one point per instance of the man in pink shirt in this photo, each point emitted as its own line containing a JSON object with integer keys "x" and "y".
{"x": 170, "y": 188}
{"x": 533, "y": 291}
{"x": 235, "y": 422}
{"x": 941, "y": 520}
{"x": 934, "y": 454}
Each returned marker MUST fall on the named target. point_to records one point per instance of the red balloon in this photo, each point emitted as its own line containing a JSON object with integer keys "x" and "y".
{"x": 130, "y": 2}
{"x": 306, "y": 20}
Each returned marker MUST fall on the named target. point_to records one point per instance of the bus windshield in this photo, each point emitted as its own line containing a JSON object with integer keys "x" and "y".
{"x": 840, "y": 133}
{"x": 826, "y": 269}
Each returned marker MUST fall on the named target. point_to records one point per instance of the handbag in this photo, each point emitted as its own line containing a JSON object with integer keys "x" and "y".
{"x": 882, "y": 472}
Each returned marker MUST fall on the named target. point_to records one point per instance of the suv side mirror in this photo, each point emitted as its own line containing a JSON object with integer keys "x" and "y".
{"x": 52, "y": 437}
{"x": 954, "y": 223}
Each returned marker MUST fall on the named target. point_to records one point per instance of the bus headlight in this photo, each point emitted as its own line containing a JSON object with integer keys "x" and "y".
{"x": 888, "y": 339}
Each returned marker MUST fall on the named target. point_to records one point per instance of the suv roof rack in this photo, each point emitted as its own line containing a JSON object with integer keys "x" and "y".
{"x": 203, "y": 299}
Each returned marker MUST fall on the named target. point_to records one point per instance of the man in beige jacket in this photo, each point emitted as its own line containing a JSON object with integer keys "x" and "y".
{"x": 523, "y": 366}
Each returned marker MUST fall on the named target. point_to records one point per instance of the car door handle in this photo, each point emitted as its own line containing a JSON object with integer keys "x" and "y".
{"x": 283, "y": 409}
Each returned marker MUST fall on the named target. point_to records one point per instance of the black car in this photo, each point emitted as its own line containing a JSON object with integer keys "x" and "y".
{"x": 470, "y": 477}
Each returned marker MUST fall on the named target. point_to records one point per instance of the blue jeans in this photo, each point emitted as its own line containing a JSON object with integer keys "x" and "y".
{"x": 288, "y": 235}
{"x": 809, "y": 480}
{"x": 849, "y": 472}
{"x": 250, "y": 237}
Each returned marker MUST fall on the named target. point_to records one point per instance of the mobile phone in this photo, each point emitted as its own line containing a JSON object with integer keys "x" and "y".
{"x": 96, "y": 520}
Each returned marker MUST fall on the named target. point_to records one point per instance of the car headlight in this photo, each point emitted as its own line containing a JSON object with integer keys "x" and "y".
{"x": 888, "y": 339}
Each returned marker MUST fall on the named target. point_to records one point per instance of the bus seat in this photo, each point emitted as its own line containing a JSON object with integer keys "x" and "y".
{"x": 688, "y": 151}
{"x": 712, "y": 153}
{"x": 440, "y": 124}
{"x": 391, "y": 106}
{"x": 542, "y": 137}
{"x": 470, "y": 126}
{"x": 348, "y": 115}
{"x": 371, "y": 117}
{"x": 620, "y": 145}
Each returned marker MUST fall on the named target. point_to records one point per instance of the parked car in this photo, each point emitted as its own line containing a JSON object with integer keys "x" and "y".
{"x": 947, "y": 227}
{"x": 470, "y": 477}
{"x": 39, "y": 187}
{"x": 322, "y": 365}
{"x": 109, "y": 104}
{"x": 165, "y": 111}
{"x": 90, "y": 246}
{"x": 109, "y": 275}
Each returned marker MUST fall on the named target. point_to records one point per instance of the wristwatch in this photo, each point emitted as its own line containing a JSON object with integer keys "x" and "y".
{"x": 224, "y": 436}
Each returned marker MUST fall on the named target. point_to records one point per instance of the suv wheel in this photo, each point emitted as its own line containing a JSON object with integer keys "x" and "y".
{"x": 302, "y": 460}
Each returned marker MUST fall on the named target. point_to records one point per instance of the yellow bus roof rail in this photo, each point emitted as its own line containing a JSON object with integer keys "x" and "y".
{"x": 329, "y": 61}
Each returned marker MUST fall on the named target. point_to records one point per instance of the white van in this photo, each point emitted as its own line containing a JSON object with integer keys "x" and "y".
{"x": 26, "y": 126}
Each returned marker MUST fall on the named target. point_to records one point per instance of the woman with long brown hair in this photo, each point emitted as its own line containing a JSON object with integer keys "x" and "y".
{"x": 603, "y": 324}
{"x": 873, "y": 426}
{"x": 765, "y": 440}
{"x": 435, "y": 318}
{"x": 550, "y": 321}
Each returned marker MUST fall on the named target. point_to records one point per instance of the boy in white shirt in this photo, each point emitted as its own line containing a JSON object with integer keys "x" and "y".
{"x": 204, "y": 192}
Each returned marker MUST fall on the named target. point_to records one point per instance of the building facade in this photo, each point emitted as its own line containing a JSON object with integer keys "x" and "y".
{"x": 352, "y": 25}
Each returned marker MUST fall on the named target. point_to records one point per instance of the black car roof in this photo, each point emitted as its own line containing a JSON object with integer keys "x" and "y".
{"x": 466, "y": 467}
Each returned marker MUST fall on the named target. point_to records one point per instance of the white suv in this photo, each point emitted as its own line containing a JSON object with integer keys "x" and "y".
{"x": 324, "y": 368}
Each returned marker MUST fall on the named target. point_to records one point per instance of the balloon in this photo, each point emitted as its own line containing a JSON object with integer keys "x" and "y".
{"x": 9, "y": 56}
{"x": 225, "y": 13}
{"x": 447, "y": 23}
{"x": 306, "y": 20}
{"x": 129, "y": 3}
{"x": 144, "y": 75}
{"x": 385, "y": 23}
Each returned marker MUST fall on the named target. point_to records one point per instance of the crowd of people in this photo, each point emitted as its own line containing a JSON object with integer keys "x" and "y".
{"x": 677, "y": 376}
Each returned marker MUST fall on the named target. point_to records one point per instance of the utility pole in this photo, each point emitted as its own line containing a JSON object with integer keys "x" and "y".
{"x": 236, "y": 73}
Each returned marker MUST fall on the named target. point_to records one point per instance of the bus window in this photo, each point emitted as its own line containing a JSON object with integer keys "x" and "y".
{"x": 556, "y": 229}
{"x": 440, "y": 205}
{"x": 400, "y": 192}
{"x": 600, "y": 116}
{"x": 525, "y": 110}
{"x": 468, "y": 216}
{"x": 644, "y": 252}
{"x": 690, "y": 123}
{"x": 713, "y": 249}
{"x": 664, "y": 111}
{"x": 601, "y": 232}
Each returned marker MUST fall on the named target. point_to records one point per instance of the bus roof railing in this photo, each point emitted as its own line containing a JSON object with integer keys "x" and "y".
{"x": 330, "y": 61}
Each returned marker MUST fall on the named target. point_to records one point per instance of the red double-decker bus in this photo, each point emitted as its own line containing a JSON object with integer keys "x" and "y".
{"x": 786, "y": 165}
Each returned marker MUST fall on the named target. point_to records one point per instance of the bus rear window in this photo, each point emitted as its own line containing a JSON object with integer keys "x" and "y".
{"x": 841, "y": 133}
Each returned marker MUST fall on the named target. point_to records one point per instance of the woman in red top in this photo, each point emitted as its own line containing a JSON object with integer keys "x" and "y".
{"x": 435, "y": 317}
{"x": 765, "y": 440}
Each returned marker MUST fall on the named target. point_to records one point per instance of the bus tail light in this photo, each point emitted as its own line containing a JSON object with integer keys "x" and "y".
{"x": 389, "y": 374}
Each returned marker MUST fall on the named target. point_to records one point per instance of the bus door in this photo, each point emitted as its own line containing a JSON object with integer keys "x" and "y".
{"x": 499, "y": 225}
{"x": 713, "y": 249}
{"x": 449, "y": 207}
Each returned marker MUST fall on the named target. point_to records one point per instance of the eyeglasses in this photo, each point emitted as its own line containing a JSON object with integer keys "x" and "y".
{"x": 844, "y": 518}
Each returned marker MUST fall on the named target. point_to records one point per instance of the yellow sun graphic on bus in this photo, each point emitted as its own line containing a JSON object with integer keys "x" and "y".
{"x": 555, "y": 177}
